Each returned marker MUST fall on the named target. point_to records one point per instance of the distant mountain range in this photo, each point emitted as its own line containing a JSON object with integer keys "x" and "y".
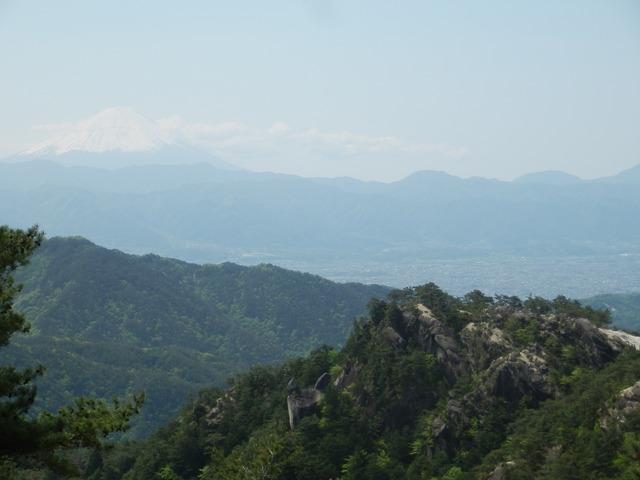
{"x": 164, "y": 170}
{"x": 177, "y": 201}
{"x": 106, "y": 323}
{"x": 204, "y": 213}
{"x": 550, "y": 177}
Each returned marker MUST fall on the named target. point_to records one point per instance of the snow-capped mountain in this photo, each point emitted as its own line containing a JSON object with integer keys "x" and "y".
{"x": 118, "y": 137}
{"x": 114, "y": 129}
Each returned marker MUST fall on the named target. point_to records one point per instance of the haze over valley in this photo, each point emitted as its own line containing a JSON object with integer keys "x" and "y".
{"x": 120, "y": 181}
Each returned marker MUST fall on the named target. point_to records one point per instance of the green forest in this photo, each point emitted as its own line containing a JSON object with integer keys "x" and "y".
{"x": 108, "y": 324}
{"x": 428, "y": 386}
{"x": 319, "y": 240}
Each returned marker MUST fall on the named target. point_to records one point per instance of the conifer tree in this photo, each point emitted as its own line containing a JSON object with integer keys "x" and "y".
{"x": 26, "y": 439}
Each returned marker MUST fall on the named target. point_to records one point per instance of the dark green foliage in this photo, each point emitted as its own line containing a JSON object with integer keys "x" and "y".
{"x": 574, "y": 308}
{"x": 15, "y": 248}
{"x": 442, "y": 304}
{"x": 25, "y": 440}
{"x": 563, "y": 439}
{"x": 393, "y": 382}
{"x": 380, "y": 426}
{"x": 108, "y": 323}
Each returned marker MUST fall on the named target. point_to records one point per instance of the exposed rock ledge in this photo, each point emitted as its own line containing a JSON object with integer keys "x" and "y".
{"x": 302, "y": 402}
{"x": 618, "y": 338}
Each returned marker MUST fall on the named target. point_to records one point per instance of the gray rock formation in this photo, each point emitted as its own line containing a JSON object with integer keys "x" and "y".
{"x": 627, "y": 401}
{"x": 322, "y": 382}
{"x": 484, "y": 343}
{"x": 518, "y": 374}
{"x": 501, "y": 471}
{"x": 499, "y": 367}
{"x": 436, "y": 338}
{"x": 393, "y": 338}
{"x": 346, "y": 377}
{"x": 303, "y": 402}
{"x": 214, "y": 414}
{"x": 506, "y": 372}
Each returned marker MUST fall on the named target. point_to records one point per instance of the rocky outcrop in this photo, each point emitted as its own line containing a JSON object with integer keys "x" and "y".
{"x": 322, "y": 382}
{"x": 346, "y": 377}
{"x": 627, "y": 401}
{"x": 501, "y": 471}
{"x": 436, "y": 338}
{"x": 500, "y": 368}
{"x": 484, "y": 343}
{"x": 392, "y": 338}
{"x": 518, "y": 374}
{"x": 303, "y": 402}
{"x": 621, "y": 340}
{"x": 214, "y": 414}
{"x": 508, "y": 378}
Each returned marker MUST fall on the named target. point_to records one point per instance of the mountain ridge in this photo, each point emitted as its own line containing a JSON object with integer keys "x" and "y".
{"x": 107, "y": 323}
{"x": 549, "y": 177}
{"x": 19, "y": 170}
{"x": 427, "y": 386}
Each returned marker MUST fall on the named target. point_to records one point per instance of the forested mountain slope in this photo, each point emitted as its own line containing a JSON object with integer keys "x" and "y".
{"x": 106, "y": 323}
{"x": 625, "y": 308}
{"x": 427, "y": 387}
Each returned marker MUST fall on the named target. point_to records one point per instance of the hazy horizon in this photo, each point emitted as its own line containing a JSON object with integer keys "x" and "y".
{"x": 329, "y": 89}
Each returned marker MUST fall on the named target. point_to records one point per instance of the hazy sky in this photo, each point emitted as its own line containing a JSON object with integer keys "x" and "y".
{"x": 374, "y": 89}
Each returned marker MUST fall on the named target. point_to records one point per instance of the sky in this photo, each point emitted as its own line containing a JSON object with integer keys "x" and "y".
{"x": 370, "y": 89}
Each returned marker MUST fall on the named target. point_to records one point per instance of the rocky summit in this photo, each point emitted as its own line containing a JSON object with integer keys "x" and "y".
{"x": 428, "y": 386}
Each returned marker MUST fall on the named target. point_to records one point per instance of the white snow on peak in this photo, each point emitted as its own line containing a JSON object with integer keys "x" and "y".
{"x": 114, "y": 129}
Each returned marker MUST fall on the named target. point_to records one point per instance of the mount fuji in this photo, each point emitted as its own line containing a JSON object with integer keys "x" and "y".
{"x": 118, "y": 137}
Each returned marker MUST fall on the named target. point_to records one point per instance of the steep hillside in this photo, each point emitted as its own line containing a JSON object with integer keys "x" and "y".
{"x": 625, "y": 308}
{"x": 427, "y": 387}
{"x": 106, "y": 323}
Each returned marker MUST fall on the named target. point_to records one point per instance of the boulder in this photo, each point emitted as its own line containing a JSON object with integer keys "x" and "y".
{"x": 392, "y": 338}
{"x": 484, "y": 343}
{"x": 346, "y": 377}
{"x": 519, "y": 374}
{"x": 323, "y": 382}
{"x": 303, "y": 402}
{"x": 501, "y": 471}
